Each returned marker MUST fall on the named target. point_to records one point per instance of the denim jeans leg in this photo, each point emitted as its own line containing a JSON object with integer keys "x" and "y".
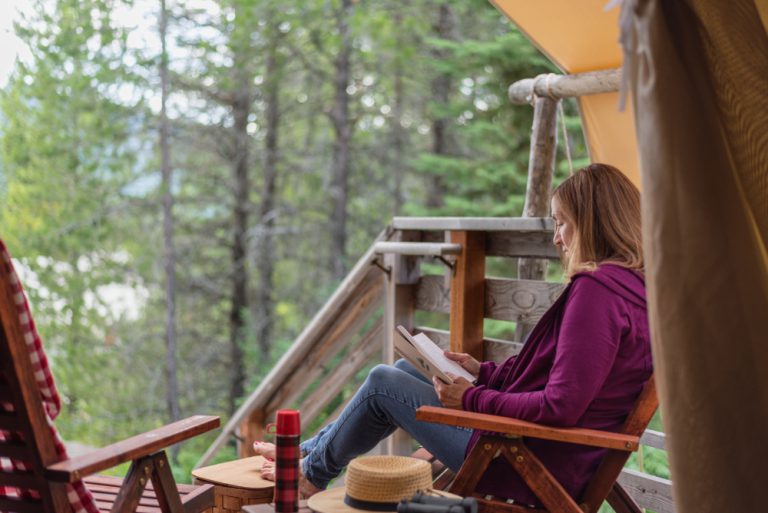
{"x": 404, "y": 366}
{"x": 309, "y": 444}
{"x": 387, "y": 400}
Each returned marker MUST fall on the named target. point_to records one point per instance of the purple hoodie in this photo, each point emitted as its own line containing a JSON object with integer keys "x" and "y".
{"x": 583, "y": 365}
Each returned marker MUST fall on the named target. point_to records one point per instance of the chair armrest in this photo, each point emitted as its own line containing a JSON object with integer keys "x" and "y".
{"x": 130, "y": 449}
{"x": 515, "y": 428}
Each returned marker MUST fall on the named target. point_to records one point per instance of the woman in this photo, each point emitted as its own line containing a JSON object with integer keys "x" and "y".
{"x": 583, "y": 365}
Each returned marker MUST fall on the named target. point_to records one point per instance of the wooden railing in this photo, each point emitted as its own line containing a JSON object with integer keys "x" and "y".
{"x": 390, "y": 286}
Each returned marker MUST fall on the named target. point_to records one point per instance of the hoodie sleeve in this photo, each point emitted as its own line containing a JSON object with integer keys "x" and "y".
{"x": 486, "y": 371}
{"x": 593, "y": 322}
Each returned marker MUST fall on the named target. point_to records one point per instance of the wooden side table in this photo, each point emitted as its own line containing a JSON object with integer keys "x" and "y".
{"x": 236, "y": 484}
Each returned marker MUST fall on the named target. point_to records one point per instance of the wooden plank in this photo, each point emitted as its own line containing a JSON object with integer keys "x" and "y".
{"x": 361, "y": 306}
{"x": 485, "y": 224}
{"x": 516, "y": 427}
{"x": 467, "y": 294}
{"x": 433, "y": 294}
{"x": 655, "y": 439}
{"x": 10, "y": 421}
{"x": 648, "y": 491}
{"x": 5, "y": 393}
{"x": 21, "y": 505}
{"x": 519, "y": 300}
{"x": 417, "y": 248}
{"x": 521, "y": 244}
{"x": 496, "y": 350}
{"x": 130, "y": 448}
{"x": 505, "y": 299}
{"x": 300, "y": 348}
{"x": 15, "y": 450}
{"x": 20, "y": 479}
{"x": 363, "y": 352}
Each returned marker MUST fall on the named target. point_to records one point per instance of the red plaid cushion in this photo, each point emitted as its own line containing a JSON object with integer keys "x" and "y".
{"x": 79, "y": 496}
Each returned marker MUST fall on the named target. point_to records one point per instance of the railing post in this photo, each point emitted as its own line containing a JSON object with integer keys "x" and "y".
{"x": 398, "y": 309}
{"x": 251, "y": 430}
{"x": 468, "y": 294}
{"x": 541, "y": 165}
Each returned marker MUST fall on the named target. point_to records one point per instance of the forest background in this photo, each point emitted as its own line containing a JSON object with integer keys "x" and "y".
{"x": 184, "y": 183}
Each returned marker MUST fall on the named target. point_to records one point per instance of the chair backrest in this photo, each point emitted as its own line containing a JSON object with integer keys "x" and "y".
{"x": 27, "y": 436}
{"x": 611, "y": 465}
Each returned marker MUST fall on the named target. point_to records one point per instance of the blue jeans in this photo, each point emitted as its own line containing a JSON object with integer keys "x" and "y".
{"x": 387, "y": 400}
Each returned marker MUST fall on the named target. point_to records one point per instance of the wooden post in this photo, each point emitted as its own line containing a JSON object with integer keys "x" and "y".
{"x": 468, "y": 294}
{"x": 541, "y": 165}
{"x": 251, "y": 430}
{"x": 398, "y": 309}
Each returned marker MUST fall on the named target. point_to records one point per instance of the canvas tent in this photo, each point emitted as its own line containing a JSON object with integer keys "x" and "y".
{"x": 697, "y": 72}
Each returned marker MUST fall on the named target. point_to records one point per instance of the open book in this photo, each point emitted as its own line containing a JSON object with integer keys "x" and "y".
{"x": 427, "y": 357}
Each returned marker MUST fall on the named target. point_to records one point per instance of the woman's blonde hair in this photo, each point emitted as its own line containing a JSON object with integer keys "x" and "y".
{"x": 604, "y": 207}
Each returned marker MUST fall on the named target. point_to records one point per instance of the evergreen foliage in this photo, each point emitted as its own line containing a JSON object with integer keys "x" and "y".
{"x": 80, "y": 176}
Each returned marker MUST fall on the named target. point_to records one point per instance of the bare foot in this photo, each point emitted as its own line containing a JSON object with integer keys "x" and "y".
{"x": 306, "y": 489}
{"x": 265, "y": 449}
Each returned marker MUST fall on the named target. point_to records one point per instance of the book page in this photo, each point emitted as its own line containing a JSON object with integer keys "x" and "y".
{"x": 433, "y": 353}
{"x": 427, "y": 357}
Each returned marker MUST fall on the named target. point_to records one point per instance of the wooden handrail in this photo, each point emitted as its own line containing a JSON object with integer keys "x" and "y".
{"x": 468, "y": 224}
{"x": 417, "y": 248}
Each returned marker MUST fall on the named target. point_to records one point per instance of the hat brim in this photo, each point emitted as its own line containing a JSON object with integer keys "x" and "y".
{"x": 332, "y": 501}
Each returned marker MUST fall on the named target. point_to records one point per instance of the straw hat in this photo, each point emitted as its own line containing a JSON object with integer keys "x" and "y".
{"x": 376, "y": 483}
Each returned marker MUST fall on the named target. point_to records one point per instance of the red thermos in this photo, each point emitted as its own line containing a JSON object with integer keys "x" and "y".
{"x": 287, "y": 455}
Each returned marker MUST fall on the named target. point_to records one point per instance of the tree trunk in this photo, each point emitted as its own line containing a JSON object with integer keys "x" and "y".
{"x": 265, "y": 249}
{"x": 441, "y": 91}
{"x": 241, "y": 108}
{"x": 342, "y": 125}
{"x": 169, "y": 257}
{"x": 398, "y": 133}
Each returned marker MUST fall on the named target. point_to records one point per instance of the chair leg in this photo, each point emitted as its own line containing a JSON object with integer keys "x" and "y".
{"x": 539, "y": 479}
{"x": 165, "y": 485}
{"x": 128, "y": 497}
{"x": 621, "y": 501}
{"x": 475, "y": 465}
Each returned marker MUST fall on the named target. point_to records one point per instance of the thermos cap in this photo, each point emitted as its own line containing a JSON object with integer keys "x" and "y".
{"x": 287, "y": 423}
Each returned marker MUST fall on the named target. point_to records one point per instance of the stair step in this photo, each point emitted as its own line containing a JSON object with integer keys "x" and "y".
{"x": 417, "y": 248}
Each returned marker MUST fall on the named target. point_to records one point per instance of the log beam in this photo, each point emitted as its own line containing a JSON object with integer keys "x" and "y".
{"x": 565, "y": 86}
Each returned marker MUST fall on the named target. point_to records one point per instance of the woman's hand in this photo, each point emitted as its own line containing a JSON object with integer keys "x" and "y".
{"x": 450, "y": 394}
{"x": 467, "y": 362}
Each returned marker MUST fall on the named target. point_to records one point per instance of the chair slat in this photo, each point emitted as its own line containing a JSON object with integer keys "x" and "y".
{"x": 6, "y": 396}
{"x": 21, "y": 505}
{"x": 16, "y": 450}
{"x": 20, "y": 479}
{"x": 10, "y": 421}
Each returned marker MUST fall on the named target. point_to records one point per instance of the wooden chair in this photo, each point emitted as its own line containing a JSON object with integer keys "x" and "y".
{"x": 509, "y": 443}
{"x": 149, "y": 485}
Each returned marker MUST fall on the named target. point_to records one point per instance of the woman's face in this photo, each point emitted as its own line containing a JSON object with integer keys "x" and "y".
{"x": 563, "y": 227}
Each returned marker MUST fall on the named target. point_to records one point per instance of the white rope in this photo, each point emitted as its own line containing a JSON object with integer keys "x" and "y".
{"x": 565, "y": 136}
